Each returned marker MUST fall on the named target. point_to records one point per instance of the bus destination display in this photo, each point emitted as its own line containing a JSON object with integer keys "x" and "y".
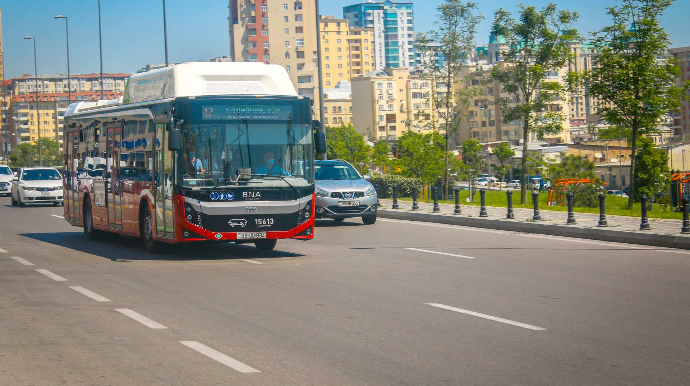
{"x": 233, "y": 112}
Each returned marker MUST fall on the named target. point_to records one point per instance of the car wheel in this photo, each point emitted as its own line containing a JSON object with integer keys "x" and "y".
{"x": 14, "y": 202}
{"x": 266, "y": 245}
{"x": 150, "y": 244}
{"x": 338, "y": 219}
{"x": 19, "y": 200}
{"x": 90, "y": 233}
{"x": 369, "y": 220}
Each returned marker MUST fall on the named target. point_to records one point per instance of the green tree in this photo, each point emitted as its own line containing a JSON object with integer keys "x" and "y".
{"x": 504, "y": 153}
{"x": 634, "y": 86}
{"x": 379, "y": 156}
{"x": 26, "y": 154}
{"x": 615, "y": 133}
{"x": 421, "y": 156}
{"x": 471, "y": 156}
{"x": 444, "y": 50}
{"x": 652, "y": 175}
{"x": 344, "y": 142}
{"x": 537, "y": 48}
{"x": 571, "y": 166}
{"x": 534, "y": 165}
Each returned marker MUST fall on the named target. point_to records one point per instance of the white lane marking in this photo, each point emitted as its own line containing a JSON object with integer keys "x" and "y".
{"x": 485, "y": 316}
{"x": 440, "y": 253}
{"x": 3, "y": 251}
{"x": 141, "y": 319}
{"x": 54, "y": 215}
{"x": 220, "y": 357}
{"x": 21, "y": 261}
{"x": 51, "y": 275}
{"x": 250, "y": 261}
{"x": 547, "y": 237}
{"x": 90, "y": 294}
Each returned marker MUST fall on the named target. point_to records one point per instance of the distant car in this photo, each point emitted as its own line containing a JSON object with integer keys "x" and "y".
{"x": 341, "y": 192}
{"x": 487, "y": 176}
{"x": 617, "y": 193}
{"x": 515, "y": 184}
{"x": 6, "y": 177}
{"x": 482, "y": 181}
{"x": 37, "y": 185}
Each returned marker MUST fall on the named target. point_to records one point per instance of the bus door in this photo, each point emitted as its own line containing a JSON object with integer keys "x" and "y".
{"x": 71, "y": 169}
{"x": 114, "y": 188}
{"x": 164, "y": 182}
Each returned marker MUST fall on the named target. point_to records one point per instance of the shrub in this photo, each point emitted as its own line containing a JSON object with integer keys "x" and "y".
{"x": 384, "y": 185}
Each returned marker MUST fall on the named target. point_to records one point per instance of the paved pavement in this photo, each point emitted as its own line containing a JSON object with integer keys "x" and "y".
{"x": 395, "y": 303}
{"x": 584, "y": 220}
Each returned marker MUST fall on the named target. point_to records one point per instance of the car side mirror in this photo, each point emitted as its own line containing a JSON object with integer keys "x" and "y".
{"x": 15, "y": 178}
{"x": 174, "y": 136}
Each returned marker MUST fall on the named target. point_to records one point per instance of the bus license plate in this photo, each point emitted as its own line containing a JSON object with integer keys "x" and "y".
{"x": 251, "y": 235}
{"x": 348, "y": 203}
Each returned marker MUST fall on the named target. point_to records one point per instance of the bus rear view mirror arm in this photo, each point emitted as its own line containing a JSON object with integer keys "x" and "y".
{"x": 319, "y": 138}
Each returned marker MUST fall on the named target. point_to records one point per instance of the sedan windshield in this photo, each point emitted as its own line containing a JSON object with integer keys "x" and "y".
{"x": 40, "y": 175}
{"x": 5, "y": 171}
{"x": 335, "y": 171}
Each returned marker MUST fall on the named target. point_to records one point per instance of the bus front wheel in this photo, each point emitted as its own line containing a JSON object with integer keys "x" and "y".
{"x": 266, "y": 245}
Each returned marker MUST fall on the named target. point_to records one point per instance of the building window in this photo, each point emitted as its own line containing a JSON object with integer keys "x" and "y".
{"x": 328, "y": 66}
{"x": 287, "y": 31}
{"x": 264, "y": 32}
{"x": 287, "y": 55}
{"x": 264, "y": 20}
{"x": 299, "y": 42}
{"x": 266, "y": 45}
{"x": 287, "y": 68}
{"x": 285, "y": 19}
{"x": 252, "y": 57}
{"x": 267, "y": 57}
{"x": 287, "y": 43}
{"x": 285, "y": 8}
{"x": 264, "y": 8}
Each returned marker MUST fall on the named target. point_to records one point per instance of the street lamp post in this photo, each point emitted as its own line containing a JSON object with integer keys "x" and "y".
{"x": 38, "y": 114}
{"x": 100, "y": 45}
{"x": 320, "y": 71}
{"x": 69, "y": 80}
{"x": 165, "y": 36}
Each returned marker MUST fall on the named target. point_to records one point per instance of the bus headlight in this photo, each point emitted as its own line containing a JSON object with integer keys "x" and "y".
{"x": 304, "y": 213}
{"x": 192, "y": 216}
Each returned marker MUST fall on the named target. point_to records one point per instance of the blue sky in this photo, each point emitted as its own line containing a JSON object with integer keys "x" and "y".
{"x": 197, "y": 30}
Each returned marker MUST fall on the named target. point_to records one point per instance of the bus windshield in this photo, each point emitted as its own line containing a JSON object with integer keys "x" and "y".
{"x": 217, "y": 153}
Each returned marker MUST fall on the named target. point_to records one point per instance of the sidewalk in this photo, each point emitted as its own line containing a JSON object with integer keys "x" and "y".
{"x": 664, "y": 233}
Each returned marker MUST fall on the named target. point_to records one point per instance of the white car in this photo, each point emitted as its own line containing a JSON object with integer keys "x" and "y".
{"x": 6, "y": 177}
{"x": 481, "y": 181}
{"x": 37, "y": 185}
{"x": 515, "y": 184}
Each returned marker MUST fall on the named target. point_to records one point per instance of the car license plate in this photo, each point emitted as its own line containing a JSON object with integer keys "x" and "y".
{"x": 251, "y": 235}
{"x": 45, "y": 194}
{"x": 348, "y": 203}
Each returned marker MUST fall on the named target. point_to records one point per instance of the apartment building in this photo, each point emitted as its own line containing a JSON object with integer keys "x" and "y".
{"x": 337, "y": 104}
{"x": 393, "y": 25}
{"x": 386, "y": 103}
{"x": 583, "y": 107}
{"x": 59, "y": 83}
{"x": 279, "y": 32}
{"x": 681, "y": 118}
{"x": 26, "y": 111}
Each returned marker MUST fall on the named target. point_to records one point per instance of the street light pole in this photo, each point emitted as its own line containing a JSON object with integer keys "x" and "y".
{"x": 69, "y": 79}
{"x": 165, "y": 35}
{"x": 38, "y": 113}
{"x": 100, "y": 45}
{"x": 324, "y": 156}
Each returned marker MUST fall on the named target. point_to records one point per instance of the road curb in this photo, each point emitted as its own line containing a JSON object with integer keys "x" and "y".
{"x": 602, "y": 234}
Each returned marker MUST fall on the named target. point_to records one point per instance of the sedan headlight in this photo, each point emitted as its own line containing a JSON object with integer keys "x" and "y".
{"x": 322, "y": 193}
{"x": 371, "y": 191}
{"x": 28, "y": 188}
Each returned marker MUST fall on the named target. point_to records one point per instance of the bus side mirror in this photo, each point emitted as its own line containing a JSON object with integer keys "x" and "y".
{"x": 174, "y": 136}
{"x": 319, "y": 138}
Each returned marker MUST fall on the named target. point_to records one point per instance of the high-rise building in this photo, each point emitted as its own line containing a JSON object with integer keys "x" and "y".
{"x": 4, "y": 104}
{"x": 279, "y": 32}
{"x": 681, "y": 118}
{"x": 346, "y": 52}
{"x": 393, "y": 24}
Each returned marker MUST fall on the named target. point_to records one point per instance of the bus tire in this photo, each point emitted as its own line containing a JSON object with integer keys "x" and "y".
{"x": 266, "y": 245}
{"x": 90, "y": 233}
{"x": 146, "y": 222}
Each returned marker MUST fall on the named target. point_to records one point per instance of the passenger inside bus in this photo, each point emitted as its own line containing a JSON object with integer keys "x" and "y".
{"x": 194, "y": 165}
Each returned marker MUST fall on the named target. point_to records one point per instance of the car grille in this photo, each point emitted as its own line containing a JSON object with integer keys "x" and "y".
{"x": 4, "y": 185}
{"x": 348, "y": 209}
{"x": 347, "y": 195}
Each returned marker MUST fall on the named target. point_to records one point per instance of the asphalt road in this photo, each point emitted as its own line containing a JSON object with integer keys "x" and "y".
{"x": 396, "y": 303}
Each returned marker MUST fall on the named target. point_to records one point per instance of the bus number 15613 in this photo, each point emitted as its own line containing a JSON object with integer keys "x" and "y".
{"x": 264, "y": 222}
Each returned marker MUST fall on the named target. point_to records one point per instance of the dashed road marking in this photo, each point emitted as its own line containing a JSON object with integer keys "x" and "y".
{"x": 440, "y": 253}
{"x": 141, "y": 319}
{"x": 21, "y": 261}
{"x": 51, "y": 275}
{"x": 90, "y": 294}
{"x": 485, "y": 316}
{"x": 54, "y": 215}
{"x": 3, "y": 251}
{"x": 220, "y": 357}
{"x": 250, "y": 261}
